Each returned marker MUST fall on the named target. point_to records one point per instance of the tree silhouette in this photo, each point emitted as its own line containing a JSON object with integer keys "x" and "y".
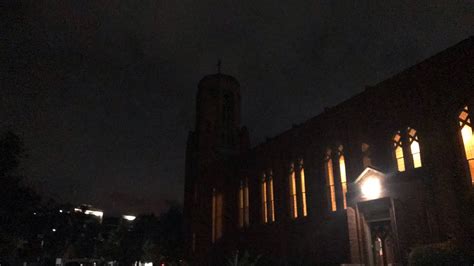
{"x": 19, "y": 202}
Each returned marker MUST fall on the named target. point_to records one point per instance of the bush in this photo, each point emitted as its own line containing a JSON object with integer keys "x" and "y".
{"x": 244, "y": 260}
{"x": 445, "y": 253}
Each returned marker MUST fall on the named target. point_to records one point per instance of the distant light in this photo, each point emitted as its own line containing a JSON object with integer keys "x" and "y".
{"x": 129, "y": 217}
{"x": 77, "y": 210}
{"x": 371, "y": 188}
{"x": 54, "y": 229}
{"x": 95, "y": 213}
{"x": 34, "y": 213}
{"x": 150, "y": 264}
{"x": 61, "y": 211}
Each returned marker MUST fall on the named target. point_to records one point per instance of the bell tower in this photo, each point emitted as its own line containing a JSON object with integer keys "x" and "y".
{"x": 217, "y": 136}
{"x": 217, "y": 117}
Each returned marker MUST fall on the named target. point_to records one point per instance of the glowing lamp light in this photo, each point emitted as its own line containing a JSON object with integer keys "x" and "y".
{"x": 129, "y": 217}
{"x": 371, "y": 188}
{"x": 95, "y": 213}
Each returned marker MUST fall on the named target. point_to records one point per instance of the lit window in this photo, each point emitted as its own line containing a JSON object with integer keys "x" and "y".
{"x": 213, "y": 215}
{"x": 342, "y": 171}
{"x": 246, "y": 203}
{"x": 217, "y": 212}
{"x": 331, "y": 190}
{"x": 219, "y": 216}
{"x": 264, "y": 200}
{"x": 366, "y": 161}
{"x": 272, "y": 199}
{"x": 303, "y": 189}
{"x": 293, "y": 203}
{"x": 414, "y": 147}
{"x": 241, "y": 204}
{"x": 468, "y": 140}
{"x": 398, "y": 148}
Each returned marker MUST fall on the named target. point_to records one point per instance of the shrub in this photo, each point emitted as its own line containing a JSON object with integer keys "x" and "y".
{"x": 445, "y": 253}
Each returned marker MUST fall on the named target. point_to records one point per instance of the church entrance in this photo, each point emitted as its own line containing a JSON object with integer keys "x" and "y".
{"x": 382, "y": 243}
{"x": 379, "y": 227}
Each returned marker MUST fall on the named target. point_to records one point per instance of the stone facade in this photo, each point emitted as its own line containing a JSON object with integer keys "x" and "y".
{"x": 422, "y": 205}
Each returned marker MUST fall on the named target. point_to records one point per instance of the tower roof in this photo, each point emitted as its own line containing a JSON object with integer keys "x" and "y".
{"x": 218, "y": 77}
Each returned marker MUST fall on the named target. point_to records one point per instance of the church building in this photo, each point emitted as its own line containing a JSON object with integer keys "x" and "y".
{"x": 363, "y": 183}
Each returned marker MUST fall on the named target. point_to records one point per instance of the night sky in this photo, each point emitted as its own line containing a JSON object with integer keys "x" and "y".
{"x": 103, "y": 92}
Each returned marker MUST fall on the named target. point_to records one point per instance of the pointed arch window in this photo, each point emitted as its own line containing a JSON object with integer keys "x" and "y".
{"x": 293, "y": 199}
{"x": 303, "y": 190}
{"x": 217, "y": 215}
{"x": 468, "y": 139}
{"x": 398, "y": 150}
{"x": 244, "y": 203}
{"x": 268, "y": 201}
{"x": 331, "y": 190}
{"x": 272, "y": 199}
{"x": 414, "y": 147}
{"x": 342, "y": 172}
{"x": 264, "y": 200}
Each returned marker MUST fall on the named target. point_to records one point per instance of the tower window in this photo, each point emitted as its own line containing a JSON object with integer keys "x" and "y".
{"x": 331, "y": 190}
{"x": 241, "y": 204}
{"x": 342, "y": 172}
{"x": 366, "y": 160}
{"x": 414, "y": 147}
{"x": 244, "y": 203}
{"x": 217, "y": 215}
{"x": 398, "y": 149}
{"x": 468, "y": 139}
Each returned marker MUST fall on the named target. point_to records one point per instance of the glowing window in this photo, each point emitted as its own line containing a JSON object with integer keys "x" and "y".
{"x": 217, "y": 212}
{"x": 468, "y": 139}
{"x": 272, "y": 199}
{"x": 331, "y": 190}
{"x": 244, "y": 203}
{"x": 303, "y": 190}
{"x": 293, "y": 203}
{"x": 264, "y": 200}
{"x": 398, "y": 148}
{"x": 342, "y": 171}
{"x": 213, "y": 215}
{"x": 241, "y": 204}
{"x": 414, "y": 147}
{"x": 219, "y": 216}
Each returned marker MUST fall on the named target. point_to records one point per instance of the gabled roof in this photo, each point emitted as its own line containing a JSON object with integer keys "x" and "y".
{"x": 369, "y": 171}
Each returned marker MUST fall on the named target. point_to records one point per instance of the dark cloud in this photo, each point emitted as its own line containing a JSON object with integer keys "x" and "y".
{"x": 103, "y": 91}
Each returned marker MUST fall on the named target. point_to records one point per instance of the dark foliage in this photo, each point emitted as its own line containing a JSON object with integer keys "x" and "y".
{"x": 442, "y": 254}
{"x": 18, "y": 202}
